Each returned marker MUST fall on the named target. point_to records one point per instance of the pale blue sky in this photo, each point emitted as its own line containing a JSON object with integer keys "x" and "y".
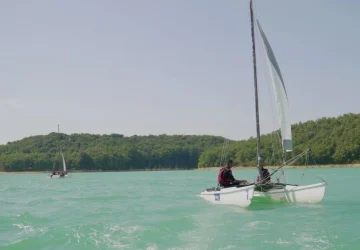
{"x": 175, "y": 67}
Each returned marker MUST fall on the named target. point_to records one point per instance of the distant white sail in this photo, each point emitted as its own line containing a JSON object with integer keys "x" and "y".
{"x": 64, "y": 164}
{"x": 280, "y": 94}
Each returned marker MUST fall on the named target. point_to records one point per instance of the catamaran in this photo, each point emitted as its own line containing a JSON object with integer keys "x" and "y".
{"x": 291, "y": 193}
{"x": 63, "y": 173}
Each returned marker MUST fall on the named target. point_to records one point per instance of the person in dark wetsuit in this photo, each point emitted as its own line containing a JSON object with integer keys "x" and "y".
{"x": 226, "y": 178}
{"x": 264, "y": 176}
{"x": 54, "y": 173}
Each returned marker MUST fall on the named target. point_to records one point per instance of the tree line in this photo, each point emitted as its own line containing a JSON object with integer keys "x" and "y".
{"x": 332, "y": 141}
{"x": 105, "y": 152}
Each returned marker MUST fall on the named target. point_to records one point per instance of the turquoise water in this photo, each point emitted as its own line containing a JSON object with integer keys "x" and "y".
{"x": 162, "y": 210}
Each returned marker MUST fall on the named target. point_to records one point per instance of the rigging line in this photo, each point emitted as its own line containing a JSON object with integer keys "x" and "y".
{"x": 295, "y": 160}
{"x": 306, "y": 163}
{"x": 222, "y": 154}
{"x": 314, "y": 161}
{"x": 226, "y": 150}
{"x": 223, "y": 151}
{"x": 291, "y": 161}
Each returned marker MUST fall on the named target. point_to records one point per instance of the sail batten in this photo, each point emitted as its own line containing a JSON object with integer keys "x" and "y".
{"x": 280, "y": 93}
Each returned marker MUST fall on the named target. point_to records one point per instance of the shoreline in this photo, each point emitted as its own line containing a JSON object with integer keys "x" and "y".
{"x": 100, "y": 171}
{"x": 191, "y": 169}
{"x": 290, "y": 167}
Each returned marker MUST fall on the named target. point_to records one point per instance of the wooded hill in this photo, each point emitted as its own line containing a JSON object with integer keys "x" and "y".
{"x": 332, "y": 141}
{"x": 105, "y": 152}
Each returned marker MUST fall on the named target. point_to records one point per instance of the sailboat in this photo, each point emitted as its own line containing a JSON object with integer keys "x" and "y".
{"x": 243, "y": 195}
{"x": 290, "y": 193}
{"x": 63, "y": 173}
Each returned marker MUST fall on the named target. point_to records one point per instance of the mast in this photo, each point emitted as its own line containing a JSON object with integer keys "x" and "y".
{"x": 59, "y": 147}
{"x": 255, "y": 85}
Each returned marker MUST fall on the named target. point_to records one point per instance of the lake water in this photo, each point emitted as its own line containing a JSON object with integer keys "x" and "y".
{"x": 163, "y": 210}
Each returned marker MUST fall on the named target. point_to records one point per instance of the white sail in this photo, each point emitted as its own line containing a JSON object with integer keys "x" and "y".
{"x": 280, "y": 94}
{"x": 64, "y": 164}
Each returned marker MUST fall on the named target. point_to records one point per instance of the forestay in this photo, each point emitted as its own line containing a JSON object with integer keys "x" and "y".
{"x": 280, "y": 94}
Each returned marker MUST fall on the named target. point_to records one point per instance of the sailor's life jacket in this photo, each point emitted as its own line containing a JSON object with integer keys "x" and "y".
{"x": 228, "y": 179}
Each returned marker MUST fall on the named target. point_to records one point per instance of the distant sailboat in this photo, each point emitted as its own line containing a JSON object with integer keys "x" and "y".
{"x": 63, "y": 173}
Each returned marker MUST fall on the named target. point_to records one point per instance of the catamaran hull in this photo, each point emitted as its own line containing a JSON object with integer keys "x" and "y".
{"x": 58, "y": 176}
{"x": 305, "y": 194}
{"x": 313, "y": 193}
{"x": 239, "y": 196}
